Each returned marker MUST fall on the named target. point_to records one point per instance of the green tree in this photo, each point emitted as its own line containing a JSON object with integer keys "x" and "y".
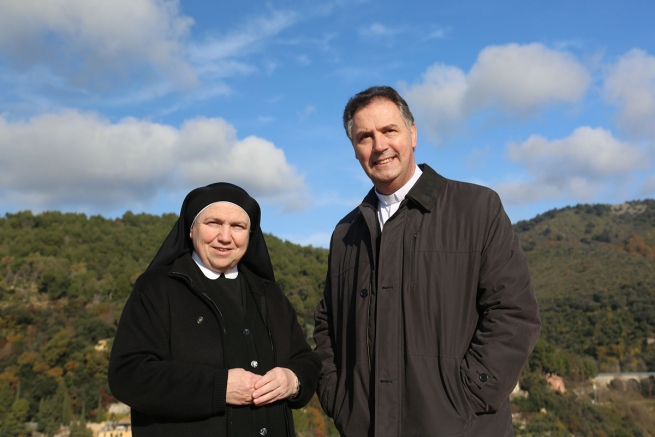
{"x": 56, "y": 348}
{"x": 66, "y": 409}
{"x": 14, "y": 423}
{"x": 79, "y": 428}
{"x": 100, "y": 411}
{"x": 6, "y": 399}
{"x": 48, "y": 417}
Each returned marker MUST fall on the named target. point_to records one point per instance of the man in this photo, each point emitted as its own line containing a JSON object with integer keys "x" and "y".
{"x": 428, "y": 313}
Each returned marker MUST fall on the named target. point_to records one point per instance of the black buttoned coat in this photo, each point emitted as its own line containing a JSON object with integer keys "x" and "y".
{"x": 449, "y": 304}
{"x": 168, "y": 358}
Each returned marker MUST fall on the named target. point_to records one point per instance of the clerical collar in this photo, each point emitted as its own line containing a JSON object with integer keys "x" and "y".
{"x": 389, "y": 204}
{"x": 398, "y": 196}
{"x": 209, "y": 273}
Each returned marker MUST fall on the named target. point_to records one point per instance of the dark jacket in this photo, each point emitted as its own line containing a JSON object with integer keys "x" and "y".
{"x": 168, "y": 357}
{"x": 456, "y": 316}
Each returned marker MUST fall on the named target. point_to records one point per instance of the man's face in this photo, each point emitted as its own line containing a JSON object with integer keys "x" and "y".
{"x": 220, "y": 236}
{"x": 384, "y": 145}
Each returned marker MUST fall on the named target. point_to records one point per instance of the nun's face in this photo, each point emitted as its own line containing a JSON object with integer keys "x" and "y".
{"x": 220, "y": 236}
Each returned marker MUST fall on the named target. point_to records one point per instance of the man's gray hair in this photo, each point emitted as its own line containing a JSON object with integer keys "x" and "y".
{"x": 365, "y": 97}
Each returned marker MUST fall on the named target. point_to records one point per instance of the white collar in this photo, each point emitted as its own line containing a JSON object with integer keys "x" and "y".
{"x": 399, "y": 195}
{"x": 209, "y": 273}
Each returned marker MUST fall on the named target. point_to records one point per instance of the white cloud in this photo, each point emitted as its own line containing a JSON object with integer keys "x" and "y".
{"x": 437, "y": 102}
{"x": 215, "y": 56}
{"x": 209, "y": 149}
{"x": 379, "y": 33}
{"x": 437, "y": 33}
{"x": 525, "y": 77}
{"x": 580, "y": 166}
{"x": 84, "y": 159}
{"x": 630, "y": 84}
{"x": 111, "y": 38}
{"x": 514, "y": 78}
{"x": 306, "y": 112}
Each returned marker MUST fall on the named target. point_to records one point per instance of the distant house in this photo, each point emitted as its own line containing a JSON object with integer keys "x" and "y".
{"x": 518, "y": 393}
{"x": 122, "y": 428}
{"x": 118, "y": 409}
{"x": 556, "y": 382}
{"x": 101, "y": 345}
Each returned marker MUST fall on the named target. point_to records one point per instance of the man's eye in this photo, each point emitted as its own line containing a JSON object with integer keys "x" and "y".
{"x": 365, "y": 139}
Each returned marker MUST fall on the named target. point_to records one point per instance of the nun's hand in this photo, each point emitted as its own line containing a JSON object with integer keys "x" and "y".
{"x": 240, "y": 385}
{"x": 278, "y": 383}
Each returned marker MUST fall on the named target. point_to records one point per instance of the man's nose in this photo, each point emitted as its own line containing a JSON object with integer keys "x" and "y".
{"x": 380, "y": 143}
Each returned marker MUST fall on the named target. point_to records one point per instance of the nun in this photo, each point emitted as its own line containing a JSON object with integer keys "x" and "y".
{"x": 207, "y": 344}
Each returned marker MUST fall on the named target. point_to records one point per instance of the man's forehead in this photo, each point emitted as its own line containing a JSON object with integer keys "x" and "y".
{"x": 379, "y": 105}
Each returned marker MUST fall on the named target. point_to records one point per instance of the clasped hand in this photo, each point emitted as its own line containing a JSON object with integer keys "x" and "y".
{"x": 244, "y": 387}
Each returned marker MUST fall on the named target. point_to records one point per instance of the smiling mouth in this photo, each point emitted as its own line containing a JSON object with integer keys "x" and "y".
{"x": 384, "y": 161}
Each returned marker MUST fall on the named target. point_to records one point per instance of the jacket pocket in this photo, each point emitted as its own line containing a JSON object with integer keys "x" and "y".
{"x": 435, "y": 400}
{"x": 332, "y": 394}
{"x": 327, "y": 386}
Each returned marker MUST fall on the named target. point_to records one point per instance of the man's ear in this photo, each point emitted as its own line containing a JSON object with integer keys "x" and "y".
{"x": 414, "y": 136}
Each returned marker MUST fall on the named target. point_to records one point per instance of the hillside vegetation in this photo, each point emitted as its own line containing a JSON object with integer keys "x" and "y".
{"x": 64, "y": 279}
{"x": 593, "y": 268}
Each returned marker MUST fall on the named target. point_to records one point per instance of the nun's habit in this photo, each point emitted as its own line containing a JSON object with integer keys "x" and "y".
{"x": 180, "y": 332}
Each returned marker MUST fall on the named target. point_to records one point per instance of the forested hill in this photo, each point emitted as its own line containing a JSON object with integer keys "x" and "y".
{"x": 52, "y": 256}
{"x": 64, "y": 279}
{"x": 593, "y": 268}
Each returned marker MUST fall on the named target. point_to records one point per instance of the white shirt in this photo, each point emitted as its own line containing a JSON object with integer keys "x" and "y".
{"x": 209, "y": 273}
{"x": 388, "y": 205}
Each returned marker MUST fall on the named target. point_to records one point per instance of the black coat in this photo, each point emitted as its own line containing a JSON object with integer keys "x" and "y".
{"x": 456, "y": 316}
{"x": 168, "y": 357}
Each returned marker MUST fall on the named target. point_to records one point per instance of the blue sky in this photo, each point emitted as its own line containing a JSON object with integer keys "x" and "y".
{"x": 109, "y": 106}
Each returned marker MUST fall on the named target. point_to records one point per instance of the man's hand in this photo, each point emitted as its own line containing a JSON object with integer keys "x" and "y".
{"x": 279, "y": 383}
{"x": 240, "y": 387}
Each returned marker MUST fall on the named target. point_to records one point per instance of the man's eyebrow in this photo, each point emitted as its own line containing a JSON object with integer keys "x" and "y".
{"x": 382, "y": 129}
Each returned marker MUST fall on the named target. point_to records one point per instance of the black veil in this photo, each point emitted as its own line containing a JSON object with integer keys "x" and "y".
{"x": 179, "y": 243}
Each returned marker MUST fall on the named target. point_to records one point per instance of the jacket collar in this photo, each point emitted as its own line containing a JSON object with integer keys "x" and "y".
{"x": 185, "y": 266}
{"x": 427, "y": 189}
{"x": 424, "y": 192}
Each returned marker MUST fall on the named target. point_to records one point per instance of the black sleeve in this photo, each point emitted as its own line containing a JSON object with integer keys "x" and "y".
{"x": 301, "y": 359}
{"x": 509, "y": 326}
{"x": 324, "y": 338}
{"x": 142, "y": 374}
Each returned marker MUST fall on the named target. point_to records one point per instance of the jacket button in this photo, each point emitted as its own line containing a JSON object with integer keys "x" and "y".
{"x": 246, "y": 331}
{"x": 483, "y": 377}
{"x": 363, "y": 293}
{"x": 254, "y": 364}
{"x": 200, "y": 319}
{"x": 263, "y": 431}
